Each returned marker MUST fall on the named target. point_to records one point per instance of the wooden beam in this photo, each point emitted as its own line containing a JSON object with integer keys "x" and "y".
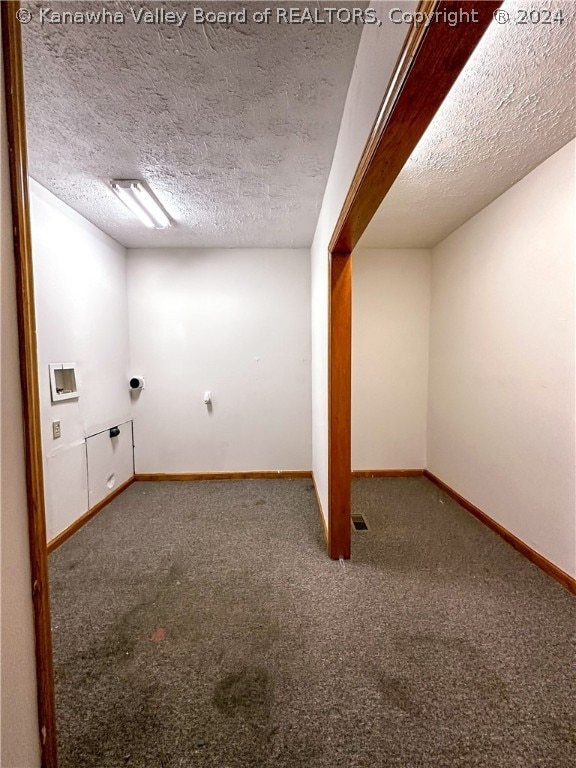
{"x": 340, "y": 404}
{"x": 429, "y": 64}
{"x": 16, "y": 126}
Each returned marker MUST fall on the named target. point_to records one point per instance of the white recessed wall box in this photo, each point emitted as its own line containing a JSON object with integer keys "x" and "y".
{"x": 63, "y": 381}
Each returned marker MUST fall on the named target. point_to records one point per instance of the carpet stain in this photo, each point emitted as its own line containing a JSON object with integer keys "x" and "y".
{"x": 158, "y": 635}
{"x": 259, "y": 502}
{"x": 174, "y": 574}
{"x": 395, "y": 693}
{"x": 248, "y": 692}
{"x": 450, "y": 670}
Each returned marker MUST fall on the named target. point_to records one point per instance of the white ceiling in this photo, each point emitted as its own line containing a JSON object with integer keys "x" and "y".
{"x": 234, "y": 127}
{"x": 511, "y": 108}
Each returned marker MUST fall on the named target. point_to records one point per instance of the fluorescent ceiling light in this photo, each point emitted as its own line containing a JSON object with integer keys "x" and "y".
{"x": 141, "y": 202}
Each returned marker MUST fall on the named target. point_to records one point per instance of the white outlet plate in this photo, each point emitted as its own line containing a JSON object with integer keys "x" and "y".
{"x": 56, "y": 430}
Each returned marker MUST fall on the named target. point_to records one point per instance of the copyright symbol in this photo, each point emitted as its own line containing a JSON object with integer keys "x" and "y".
{"x": 501, "y": 16}
{"x": 24, "y": 16}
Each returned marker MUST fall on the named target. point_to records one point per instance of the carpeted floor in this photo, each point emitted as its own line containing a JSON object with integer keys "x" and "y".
{"x": 201, "y": 625}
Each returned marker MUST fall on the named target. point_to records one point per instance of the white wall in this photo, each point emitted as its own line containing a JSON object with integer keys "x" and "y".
{"x": 390, "y": 333}
{"x": 502, "y": 391}
{"x": 19, "y": 740}
{"x": 237, "y": 323}
{"x": 82, "y": 317}
{"x": 377, "y": 53}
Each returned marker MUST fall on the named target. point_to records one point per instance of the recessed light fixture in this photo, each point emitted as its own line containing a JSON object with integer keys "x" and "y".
{"x": 140, "y": 200}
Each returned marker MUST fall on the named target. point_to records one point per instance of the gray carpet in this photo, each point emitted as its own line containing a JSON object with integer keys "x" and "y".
{"x": 201, "y": 624}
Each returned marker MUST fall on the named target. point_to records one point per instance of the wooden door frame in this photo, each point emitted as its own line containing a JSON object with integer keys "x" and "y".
{"x": 18, "y": 161}
{"x": 430, "y": 62}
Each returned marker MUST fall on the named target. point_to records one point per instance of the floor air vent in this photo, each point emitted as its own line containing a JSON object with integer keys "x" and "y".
{"x": 359, "y": 523}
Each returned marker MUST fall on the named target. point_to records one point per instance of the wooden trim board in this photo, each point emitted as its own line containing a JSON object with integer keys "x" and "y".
{"x": 358, "y": 473}
{"x": 552, "y": 570}
{"x": 322, "y": 518}
{"x": 431, "y": 60}
{"x": 86, "y": 517}
{"x": 281, "y": 474}
{"x": 18, "y": 161}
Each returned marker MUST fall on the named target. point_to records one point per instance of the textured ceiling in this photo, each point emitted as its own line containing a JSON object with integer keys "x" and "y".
{"x": 511, "y": 108}
{"x": 234, "y": 126}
